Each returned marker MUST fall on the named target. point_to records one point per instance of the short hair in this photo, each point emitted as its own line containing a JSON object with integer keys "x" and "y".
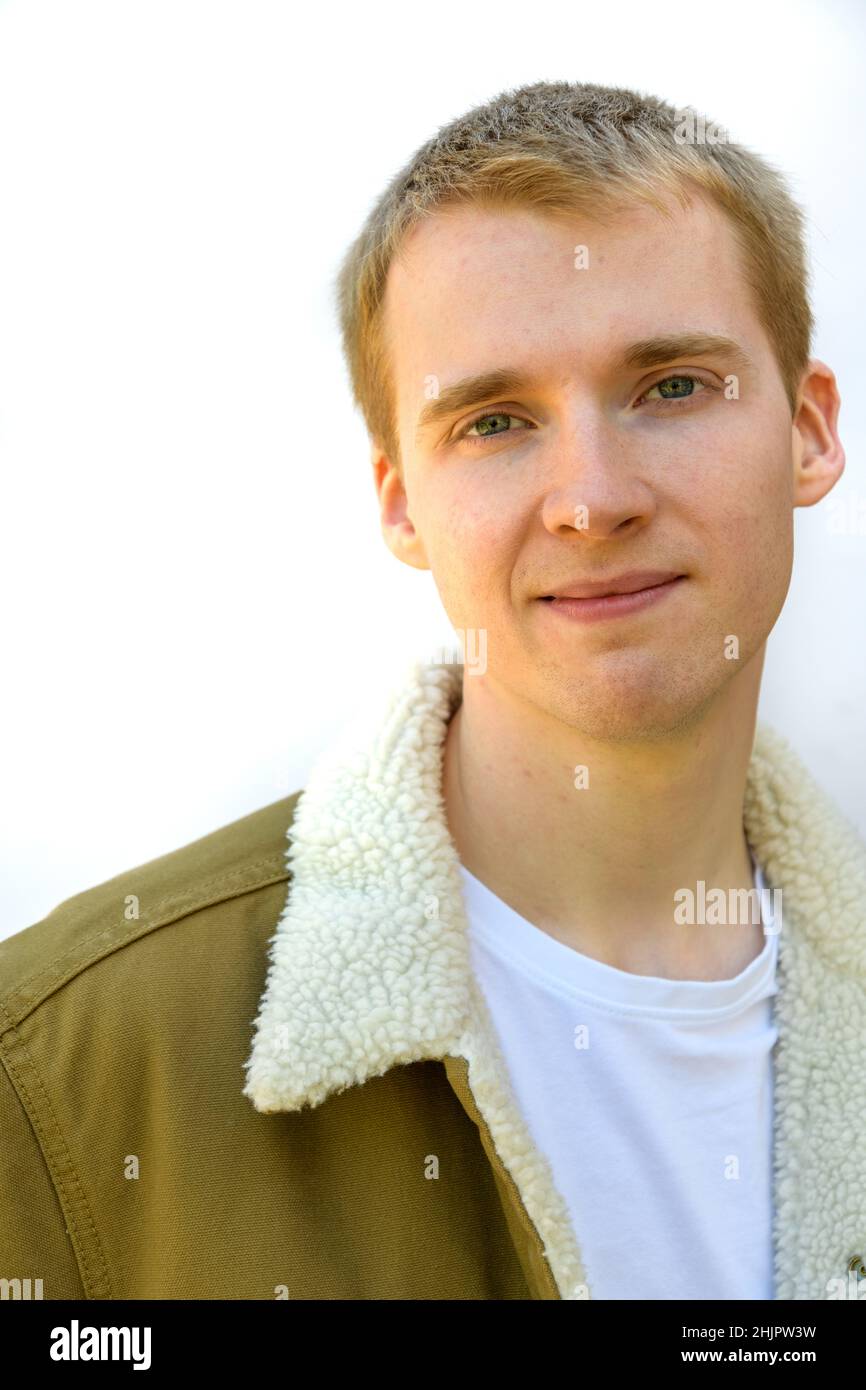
{"x": 558, "y": 147}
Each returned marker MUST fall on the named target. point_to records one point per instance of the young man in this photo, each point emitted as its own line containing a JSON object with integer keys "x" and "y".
{"x": 515, "y": 1036}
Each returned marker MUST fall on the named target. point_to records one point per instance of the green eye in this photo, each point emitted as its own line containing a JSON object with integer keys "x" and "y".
{"x": 676, "y": 388}
{"x": 482, "y": 421}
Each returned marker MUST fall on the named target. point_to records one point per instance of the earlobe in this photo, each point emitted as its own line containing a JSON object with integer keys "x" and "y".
{"x": 396, "y": 525}
{"x": 404, "y": 542}
{"x": 819, "y": 458}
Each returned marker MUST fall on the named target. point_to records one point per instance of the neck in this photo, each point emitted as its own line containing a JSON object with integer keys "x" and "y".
{"x": 598, "y": 867}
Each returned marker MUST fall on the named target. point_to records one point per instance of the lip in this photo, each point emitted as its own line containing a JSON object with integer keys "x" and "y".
{"x": 612, "y": 605}
{"x": 616, "y": 584}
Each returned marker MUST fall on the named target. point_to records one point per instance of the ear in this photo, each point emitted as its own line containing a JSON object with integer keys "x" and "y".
{"x": 819, "y": 458}
{"x": 397, "y": 527}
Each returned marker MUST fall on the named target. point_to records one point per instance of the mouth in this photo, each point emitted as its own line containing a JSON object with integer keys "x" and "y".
{"x": 607, "y": 606}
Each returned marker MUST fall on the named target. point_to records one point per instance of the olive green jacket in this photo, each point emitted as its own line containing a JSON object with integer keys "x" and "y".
{"x": 259, "y": 1067}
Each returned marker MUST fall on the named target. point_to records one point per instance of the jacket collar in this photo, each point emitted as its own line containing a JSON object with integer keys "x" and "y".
{"x": 370, "y": 969}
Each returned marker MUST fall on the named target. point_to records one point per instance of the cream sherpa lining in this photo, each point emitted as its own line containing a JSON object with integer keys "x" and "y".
{"x": 370, "y": 968}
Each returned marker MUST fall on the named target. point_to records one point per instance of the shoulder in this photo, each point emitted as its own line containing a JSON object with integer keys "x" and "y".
{"x": 124, "y": 1021}
{"x": 128, "y": 914}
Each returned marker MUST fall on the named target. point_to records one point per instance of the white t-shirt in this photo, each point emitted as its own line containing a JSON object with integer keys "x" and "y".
{"x": 652, "y": 1099}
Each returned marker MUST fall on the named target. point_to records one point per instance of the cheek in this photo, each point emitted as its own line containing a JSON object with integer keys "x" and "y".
{"x": 471, "y": 559}
{"x": 744, "y": 527}
{"x": 739, "y": 486}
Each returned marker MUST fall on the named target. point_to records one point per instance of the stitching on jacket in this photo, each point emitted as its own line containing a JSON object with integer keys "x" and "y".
{"x": 183, "y": 904}
{"x": 56, "y": 1177}
{"x": 536, "y": 1248}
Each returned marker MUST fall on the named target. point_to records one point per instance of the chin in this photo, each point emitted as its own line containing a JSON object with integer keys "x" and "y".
{"x": 629, "y": 713}
{"x": 653, "y": 727}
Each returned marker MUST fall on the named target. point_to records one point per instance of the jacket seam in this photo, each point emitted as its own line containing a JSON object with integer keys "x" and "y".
{"x": 65, "y": 1195}
{"x": 503, "y": 1173}
{"x": 208, "y": 895}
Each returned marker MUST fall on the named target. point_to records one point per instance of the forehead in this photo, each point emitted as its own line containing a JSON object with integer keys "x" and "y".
{"x": 472, "y": 288}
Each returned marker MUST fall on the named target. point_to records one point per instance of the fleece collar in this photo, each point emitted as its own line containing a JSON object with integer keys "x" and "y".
{"x": 370, "y": 969}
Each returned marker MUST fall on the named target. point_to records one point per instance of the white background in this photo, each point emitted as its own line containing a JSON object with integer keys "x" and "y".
{"x": 194, "y": 584}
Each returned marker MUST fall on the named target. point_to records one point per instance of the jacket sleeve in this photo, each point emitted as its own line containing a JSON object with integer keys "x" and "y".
{"x": 34, "y": 1243}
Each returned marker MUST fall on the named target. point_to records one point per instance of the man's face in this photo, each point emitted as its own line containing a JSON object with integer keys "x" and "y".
{"x": 582, "y": 475}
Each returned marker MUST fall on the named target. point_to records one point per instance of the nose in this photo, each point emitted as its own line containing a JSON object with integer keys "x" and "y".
{"x": 596, "y": 488}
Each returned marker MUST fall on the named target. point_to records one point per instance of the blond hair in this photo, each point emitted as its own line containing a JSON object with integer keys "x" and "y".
{"x": 559, "y": 147}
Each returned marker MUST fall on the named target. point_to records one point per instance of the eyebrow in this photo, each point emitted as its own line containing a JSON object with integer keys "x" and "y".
{"x": 647, "y": 352}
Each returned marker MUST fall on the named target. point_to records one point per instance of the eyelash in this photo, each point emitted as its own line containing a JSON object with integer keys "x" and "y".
{"x": 487, "y": 414}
